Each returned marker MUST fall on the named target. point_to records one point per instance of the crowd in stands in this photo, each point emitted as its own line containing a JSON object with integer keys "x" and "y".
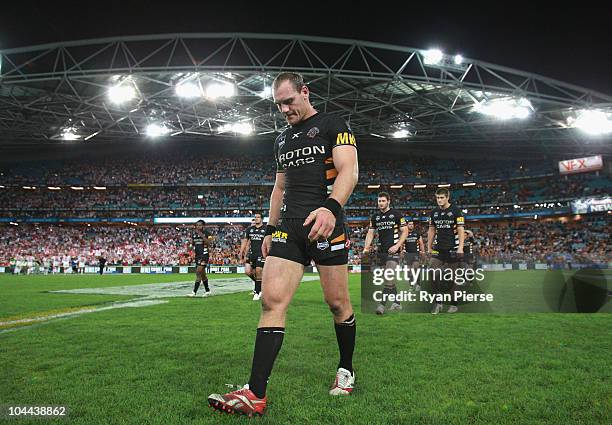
{"x": 188, "y": 167}
{"x": 549, "y": 241}
{"x": 120, "y": 245}
{"x": 215, "y": 200}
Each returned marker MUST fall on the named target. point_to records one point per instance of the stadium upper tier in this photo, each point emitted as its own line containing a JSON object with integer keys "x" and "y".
{"x": 214, "y": 200}
{"x": 187, "y": 168}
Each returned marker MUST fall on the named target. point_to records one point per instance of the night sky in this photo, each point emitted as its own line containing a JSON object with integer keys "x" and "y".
{"x": 569, "y": 43}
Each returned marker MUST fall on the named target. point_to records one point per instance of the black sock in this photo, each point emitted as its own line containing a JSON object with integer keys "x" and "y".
{"x": 257, "y": 286}
{"x": 345, "y": 334}
{"x": 267, "y": 345}
{"x": 388, "y": 291}
{"x": 205, "y": 283}
{"x": 196, "y": 287}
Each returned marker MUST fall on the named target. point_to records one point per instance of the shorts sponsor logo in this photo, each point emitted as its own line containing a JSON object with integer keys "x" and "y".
{"x": 323, "y": 245}
{"x": 279, "y": 236}
{"x": 338, "y": 247}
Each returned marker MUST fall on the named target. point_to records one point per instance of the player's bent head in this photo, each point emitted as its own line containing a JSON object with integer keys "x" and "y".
{"x": 291, "y": 96}
{"x": 384, "y": 199}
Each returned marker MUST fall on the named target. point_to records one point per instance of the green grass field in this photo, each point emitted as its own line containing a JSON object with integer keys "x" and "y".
{"x": 157, "y": 364}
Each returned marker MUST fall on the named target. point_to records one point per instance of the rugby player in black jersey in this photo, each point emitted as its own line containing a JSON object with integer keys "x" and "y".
{"x": 250, "y": 253}
{"x": 414, "y": 248}
{"x": 392, "y": 232}
{"x": 445, "y": 239}
{"x": 200, "y": 241}
{"x": 316, "y": 159}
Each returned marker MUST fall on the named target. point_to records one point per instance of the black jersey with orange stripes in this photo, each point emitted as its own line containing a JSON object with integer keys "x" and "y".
{"x": 303, "y": 152}
{"x": 388, "y": 224}
{"x": 446, "y": 221}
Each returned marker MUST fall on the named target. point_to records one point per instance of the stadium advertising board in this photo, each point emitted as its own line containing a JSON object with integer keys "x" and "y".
{"x": 592, "y": 205}
{"x": 580, "y": 165}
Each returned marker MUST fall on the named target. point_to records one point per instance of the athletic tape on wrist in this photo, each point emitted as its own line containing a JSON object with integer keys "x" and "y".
{"x": 333, "y": 205}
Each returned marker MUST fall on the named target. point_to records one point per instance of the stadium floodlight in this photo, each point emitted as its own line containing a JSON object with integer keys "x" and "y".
{"x": 373, "y": 186}
{"x": 401, "y": 134}
{"x": 397, "y": 186}
{"x": 122, "y": 93}
{"x": 2, "y": 187}
{"x": 266, "y": 93}
{"x": 444, "y": 185}
{"x": 54, "y": 188}
{"x": 458, "y": 59}
{"x": 157, "y": 130}
{"x": 420, "y": 186}
{"x": 243, "y": 128}
{"x": 433, "y": 56}
{"x": 217, "y": 90}
{"x": 592, "y": 122}
{"x": 77, "y": 187}
{"x": 505, "y": 109}
{"x": 200, "y": 196}
{"x": 100, "y": 187}
{"x": 29, "y": 187}
{"x": 469, "y": 184}
{"x": 188, "y": 90}
{"x": 12, "y": 223}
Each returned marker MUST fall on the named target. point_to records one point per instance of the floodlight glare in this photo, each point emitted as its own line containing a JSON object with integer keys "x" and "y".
{"x": 592, "y": 122}
{"x": 458, "y": 59}
{"x": 266, "y": 93}
{"x": 433, "y": 56}
{"x": 505, "y": 109}
{"x": 401, "y": 134}
{"x": 188, "y": 90}
{"x": 216, "y": 90}
{"x": 121, "y": 93}
{"x": 157, "y": 130}
{"x": 69, "y": 134}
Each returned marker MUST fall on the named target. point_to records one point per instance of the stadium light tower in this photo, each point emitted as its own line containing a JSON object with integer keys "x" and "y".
{"x": 188, "y": 90}
{"x": 505, "y": 109}
{"x": 217, "y": 90}
{"x": 156, "y": 130}
{"x": 401, "y": 134}
{"x": 591, "y": 122}
{"x": 243, "y": 128}
{"x": 122, "y": 92}
{"x": 433, "y": 56}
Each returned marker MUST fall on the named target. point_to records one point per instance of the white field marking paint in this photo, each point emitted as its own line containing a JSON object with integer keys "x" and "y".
{"x": 174, "y": 289}
{"x": 150, "y": 293}
{"x": 126, "y": 304}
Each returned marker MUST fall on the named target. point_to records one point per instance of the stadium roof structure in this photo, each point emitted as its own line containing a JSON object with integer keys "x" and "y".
{"x": 128, "y": 87}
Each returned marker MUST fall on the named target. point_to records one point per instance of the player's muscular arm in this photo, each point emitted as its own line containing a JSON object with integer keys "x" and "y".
{"x": 276, "y": 203}
{"x": 368, "y": 241}
{"x": 461, "y": 234}
{"x": 431, "y": 232}
{"x": 244, "y": 247}
{"x": 421, "y": 246}
{"x": 276, "y": 199}
{"x": 398, "y": 246}
{"x": 345, "y": 162}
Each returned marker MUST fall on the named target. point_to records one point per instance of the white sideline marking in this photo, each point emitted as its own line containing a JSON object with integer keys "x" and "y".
{"x": 173, "y": 289}
{"x": 127, "y": 304}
